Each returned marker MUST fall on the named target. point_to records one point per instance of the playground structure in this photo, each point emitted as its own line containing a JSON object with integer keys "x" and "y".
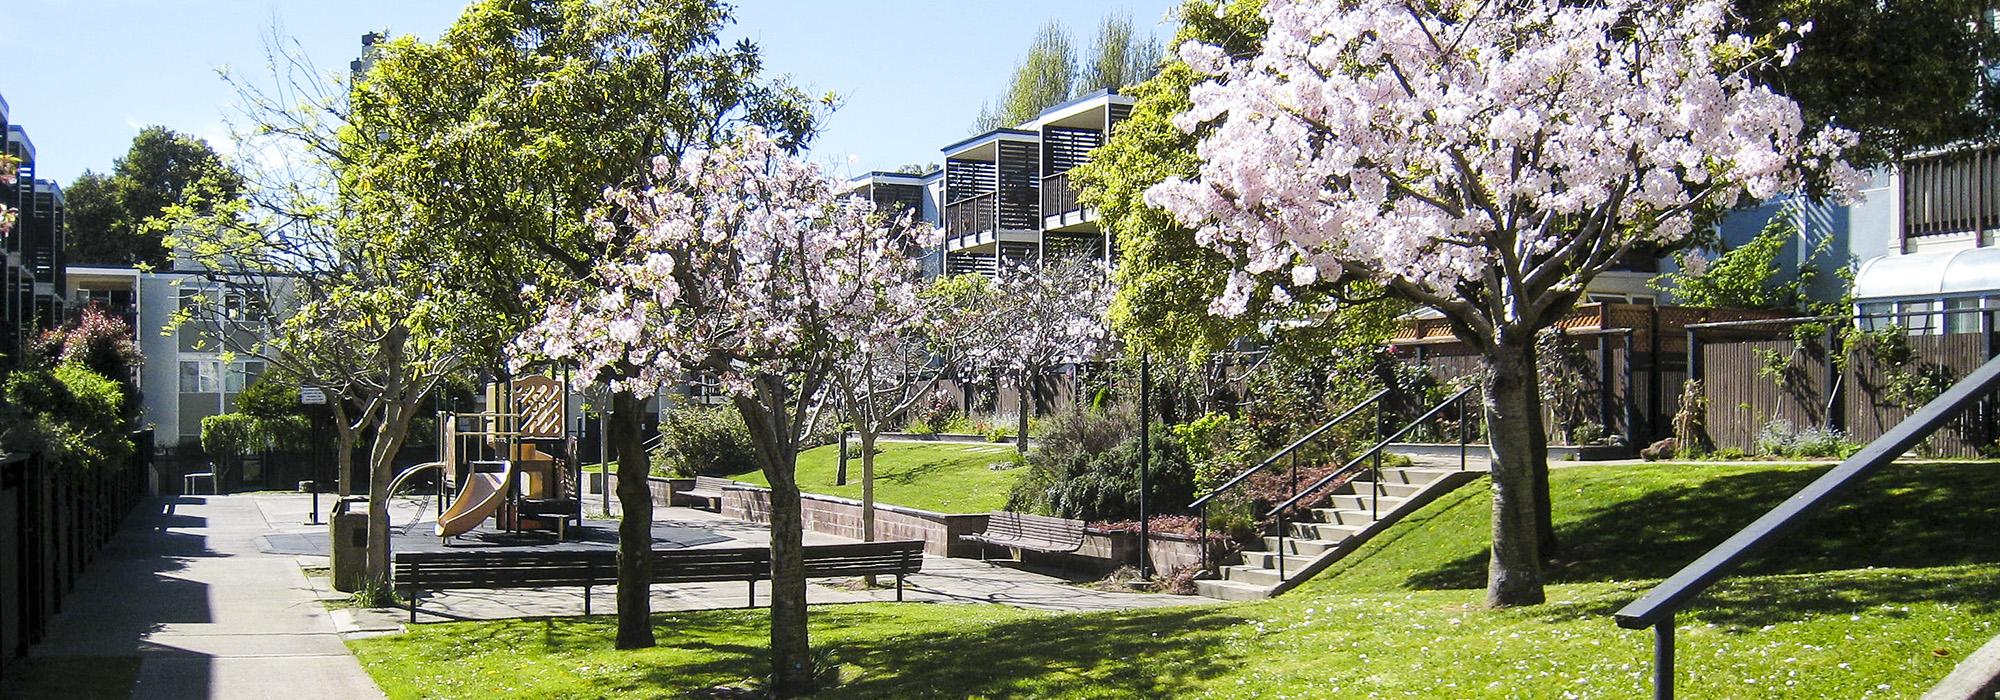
{"x": 513, "y": 464}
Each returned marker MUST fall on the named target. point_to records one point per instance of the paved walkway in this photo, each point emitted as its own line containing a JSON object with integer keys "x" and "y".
{"x": 184, "y": 587}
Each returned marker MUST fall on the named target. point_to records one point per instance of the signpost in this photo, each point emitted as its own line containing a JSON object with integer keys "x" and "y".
{"x": 314, "y": 396}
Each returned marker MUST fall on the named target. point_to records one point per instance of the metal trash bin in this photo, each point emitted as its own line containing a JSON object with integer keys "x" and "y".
{"x": 348, "y": 530}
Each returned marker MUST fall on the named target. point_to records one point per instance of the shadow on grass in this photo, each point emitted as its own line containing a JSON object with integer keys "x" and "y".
{"x": 1911, "y": 516}
{"x": 1088, "y": 655}
{"x": 1741, "y": 605}
{"x": 914, "y": 473}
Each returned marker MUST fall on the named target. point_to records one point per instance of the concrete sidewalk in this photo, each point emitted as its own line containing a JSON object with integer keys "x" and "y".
{"x": 184, "y": 588}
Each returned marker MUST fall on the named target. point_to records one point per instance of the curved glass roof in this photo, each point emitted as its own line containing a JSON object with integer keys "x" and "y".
{"x": 1941, "y": 273}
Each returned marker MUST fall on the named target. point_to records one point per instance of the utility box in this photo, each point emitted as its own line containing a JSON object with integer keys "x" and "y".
{"x": 348, "y": 529}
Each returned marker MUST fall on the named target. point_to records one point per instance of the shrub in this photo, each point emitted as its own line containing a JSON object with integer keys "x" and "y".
{"x": 1087, "y": 467}
{"x": 703, "y": 441}
{"x": 920, "y": 427}
{"x": 1774, "y": 438}
{"x": 933, "y": 411}
{"x": 69, "y": 413}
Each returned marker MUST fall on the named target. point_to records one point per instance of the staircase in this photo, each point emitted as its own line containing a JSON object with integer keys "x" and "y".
{"x": 1349, "y": 516}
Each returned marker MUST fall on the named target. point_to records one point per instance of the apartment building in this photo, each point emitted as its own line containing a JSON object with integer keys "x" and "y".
{"x": 31, "y": 259}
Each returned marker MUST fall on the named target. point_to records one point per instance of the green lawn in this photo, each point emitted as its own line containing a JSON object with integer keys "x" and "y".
{"x": 938, "y": 477}
{"x": 1880, "y": 597}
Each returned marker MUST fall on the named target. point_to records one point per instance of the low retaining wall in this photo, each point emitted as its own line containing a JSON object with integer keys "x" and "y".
{"x": 1105, "y": 551}
{"x": 663, "y": 490}
{"x": 841, "y": 517}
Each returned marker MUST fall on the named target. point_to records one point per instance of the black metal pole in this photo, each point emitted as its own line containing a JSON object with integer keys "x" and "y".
{"x": 1663, "y": 659}
{"x": 1145, "y": 457}
{"x": 840, "y": 474}
{"x": 318, "y": 435}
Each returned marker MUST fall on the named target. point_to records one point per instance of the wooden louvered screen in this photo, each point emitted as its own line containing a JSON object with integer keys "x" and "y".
{"x": 1014, "y": 255}
{"x": 967, "y": 178}
{"x": 1066, "y": 147}
{"x": 1020, "y": 185}
{"x": 969, "y": 264}
{"x": 1952, "y": 193}
{"x": 1059, "y": 246}
{"x": 1118, "y": 114}
{"x": 895, "y": 199}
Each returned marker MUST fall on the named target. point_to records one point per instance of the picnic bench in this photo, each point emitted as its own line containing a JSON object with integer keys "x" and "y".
{"x": 709, "y": 488}
{"x": 1027, "y": 531}
{"x": 417, "y": 572}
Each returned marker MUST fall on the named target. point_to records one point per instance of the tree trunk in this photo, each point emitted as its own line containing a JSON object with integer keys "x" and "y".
{"x": 1545, "y": 525}
{"x": 1027, "y": 395}
{"x": 381, "y": 470}
{"x": 1514, "y": 574}
{"x": 770, "y": 429}
{"x": 635, "y": 523}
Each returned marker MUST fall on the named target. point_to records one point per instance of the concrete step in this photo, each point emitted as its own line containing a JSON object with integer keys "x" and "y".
{"x": 1251, "y": 575}
{"x": 1414, "y": 475}
{"x": 1231, "y": 590}
{"x": 1387, "y": 488}
{"x": 1296, "y": 545}
{"x": 1324, "y": 531}
{"x": 1361, "y": 501}
{"x": 1269, "y": 560}
{"x": 1344, "y": 516}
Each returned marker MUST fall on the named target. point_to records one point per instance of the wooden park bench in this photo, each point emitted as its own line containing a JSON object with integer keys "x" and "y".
{"x": 439, "y": 571}
{"x": 709, "y": 488}
{"x": 1026, "y": 531}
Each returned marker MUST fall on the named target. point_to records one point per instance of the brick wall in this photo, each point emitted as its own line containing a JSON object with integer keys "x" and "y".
{"x": 841, "y": 517}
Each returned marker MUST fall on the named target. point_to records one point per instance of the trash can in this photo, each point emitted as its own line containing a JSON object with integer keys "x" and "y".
{"x": 348, "y": 530}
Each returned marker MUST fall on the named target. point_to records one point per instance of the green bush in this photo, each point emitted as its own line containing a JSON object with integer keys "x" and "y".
{"x": 1087, "y": 467}
{"x": 69, "y": 413}
{"x": 703, "y": 441}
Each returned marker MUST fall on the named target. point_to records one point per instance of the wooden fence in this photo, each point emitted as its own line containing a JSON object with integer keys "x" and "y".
{"x": 1751, "y": 383}
{"x": 53, "y": 521}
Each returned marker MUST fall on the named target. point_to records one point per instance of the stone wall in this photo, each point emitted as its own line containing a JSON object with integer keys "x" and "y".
{"x": 841, "y": 517}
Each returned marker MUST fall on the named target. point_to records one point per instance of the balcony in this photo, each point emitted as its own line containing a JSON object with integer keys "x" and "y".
{"x": 1949, "y": 198}
{"x": 971, "y": 221}
{"x": 1060, "y": 207}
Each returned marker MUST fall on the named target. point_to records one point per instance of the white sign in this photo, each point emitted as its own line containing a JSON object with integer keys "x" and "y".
{"x": 312, "y": 395}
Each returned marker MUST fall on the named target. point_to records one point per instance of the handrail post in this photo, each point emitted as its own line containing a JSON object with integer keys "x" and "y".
{"x": 1202, "y": 513}
{"x": 1463, "y": 421}
{"x": 1663, "y": 659}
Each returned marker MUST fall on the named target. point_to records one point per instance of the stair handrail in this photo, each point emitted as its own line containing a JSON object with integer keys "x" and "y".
{"x": 1384, "y": 442}
{"x": 1657, "y": 607}
{"x": 1288, "y": 449}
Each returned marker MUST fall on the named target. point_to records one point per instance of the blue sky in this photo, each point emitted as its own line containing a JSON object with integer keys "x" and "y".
{"x": 86, "y": 75}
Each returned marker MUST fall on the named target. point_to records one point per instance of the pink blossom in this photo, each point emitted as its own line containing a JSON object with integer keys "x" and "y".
{"x": 1468, "y": 153}
{"x": 742, "y": 262}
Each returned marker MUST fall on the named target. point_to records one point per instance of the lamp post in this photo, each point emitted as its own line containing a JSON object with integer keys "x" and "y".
{"x": 1145, "y": 456}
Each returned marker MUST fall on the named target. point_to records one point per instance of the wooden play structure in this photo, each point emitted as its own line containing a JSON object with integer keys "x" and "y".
{"x": 511, "y": 463}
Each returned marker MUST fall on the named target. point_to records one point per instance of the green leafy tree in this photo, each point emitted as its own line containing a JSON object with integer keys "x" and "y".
{"x": 107, "y": 214}
{"x": 1045, "y": 77}
{"x": 1747, "y": 276}
{"x": 1908, "y": 76}
{"x": 1119, "y": 57}
{"x": 515, "y": 121}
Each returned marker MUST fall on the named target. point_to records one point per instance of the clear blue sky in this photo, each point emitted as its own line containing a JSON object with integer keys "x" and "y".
{"x": 85, "y": 75}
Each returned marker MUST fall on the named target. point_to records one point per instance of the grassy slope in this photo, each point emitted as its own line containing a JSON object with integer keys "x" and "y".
{"x": 939, "y": 477}
{"x": 1400, "y": 618}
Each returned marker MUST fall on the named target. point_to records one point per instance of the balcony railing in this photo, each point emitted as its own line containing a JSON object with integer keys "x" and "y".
{"x": 1059, "y": 195}
{"x": 974, "y": 214}
{"x": 1951, "y": 193}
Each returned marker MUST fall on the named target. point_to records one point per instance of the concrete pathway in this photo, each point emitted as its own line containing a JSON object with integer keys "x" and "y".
{"x": 184, "y": 587}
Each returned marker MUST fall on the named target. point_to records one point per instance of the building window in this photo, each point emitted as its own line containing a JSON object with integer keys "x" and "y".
{"x": 1918, "y": 317}
{"x": 241, "y": 376}
{"x": 201, "y": 376}
{"x": 1961, "y": 315}
{"x": 1874, "y": 316}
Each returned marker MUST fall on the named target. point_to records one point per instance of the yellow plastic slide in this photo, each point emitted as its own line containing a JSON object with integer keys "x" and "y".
{"x": 482, "y": 494}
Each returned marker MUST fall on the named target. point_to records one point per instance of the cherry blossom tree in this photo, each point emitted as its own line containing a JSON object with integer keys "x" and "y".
{"x": 743, "y": 264}
{"x": 1039, "y": 317}
{"x": 1487, "y": 160}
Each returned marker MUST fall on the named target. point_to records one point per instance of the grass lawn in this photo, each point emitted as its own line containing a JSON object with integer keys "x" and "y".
{"x": 1877, "y": 598}
{"x": 938, "y": 477}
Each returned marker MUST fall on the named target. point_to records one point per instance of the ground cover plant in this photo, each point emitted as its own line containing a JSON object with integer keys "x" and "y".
{"x": 938, "y": 477}
{"x": 1879, "y": 597}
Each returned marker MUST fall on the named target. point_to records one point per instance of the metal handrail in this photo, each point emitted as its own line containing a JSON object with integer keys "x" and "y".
{"x": 1384, "y": 442}
{"x": 1657, "y": 607}
{"x": 1296, "y": 444}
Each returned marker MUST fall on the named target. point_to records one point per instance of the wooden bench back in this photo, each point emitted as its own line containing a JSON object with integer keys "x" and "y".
{"x": 712, "y": 483}
{"x": 1028, "y": 526}
{"x": 518, "y": 569}
{"x": 507, "y": 569}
